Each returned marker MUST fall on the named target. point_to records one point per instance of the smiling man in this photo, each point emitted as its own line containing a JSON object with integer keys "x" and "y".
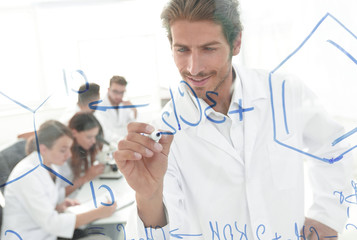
{"x": 224, "y": 175}
{"x": 203, "y": 57}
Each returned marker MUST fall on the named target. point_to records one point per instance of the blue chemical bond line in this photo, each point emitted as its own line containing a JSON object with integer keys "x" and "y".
{"x": 339, "y": 157}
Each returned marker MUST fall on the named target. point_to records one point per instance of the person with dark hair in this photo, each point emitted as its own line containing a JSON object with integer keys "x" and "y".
{"x": 81, "y": 167}
{"x": 32, "y": 206}
{"x": 87, "y": 93}
{"x": 222, "y": 174}
{"x": 114, "y": 121}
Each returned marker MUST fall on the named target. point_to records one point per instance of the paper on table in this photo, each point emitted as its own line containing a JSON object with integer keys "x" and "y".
{"x": 122, "y": 200}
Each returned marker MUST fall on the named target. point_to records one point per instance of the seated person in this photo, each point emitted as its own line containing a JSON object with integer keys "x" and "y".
{"x": 81, "y": 168}
{"x": 114, "y": 121}
{"x": 85, "y": 97}
{"x": 32, "y": 208}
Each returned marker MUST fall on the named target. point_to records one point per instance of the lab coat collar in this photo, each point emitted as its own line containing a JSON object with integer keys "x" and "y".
{"x": 255, "y": 94}
{"x": 253, "y": 86}
{"x": 185, "y": 107}
{"x": 236, "y": 94}
{"x": 251, "y": 90}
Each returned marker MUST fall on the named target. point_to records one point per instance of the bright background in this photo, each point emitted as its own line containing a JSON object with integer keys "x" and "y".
{"x": 40, "y": 39}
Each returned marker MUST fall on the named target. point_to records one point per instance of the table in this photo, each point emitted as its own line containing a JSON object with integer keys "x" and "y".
{"x": 99, "y": 189}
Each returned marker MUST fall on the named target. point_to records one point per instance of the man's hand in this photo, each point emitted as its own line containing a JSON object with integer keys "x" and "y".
{"x": 143, "y": 162}
{"x": 315, "y": 230}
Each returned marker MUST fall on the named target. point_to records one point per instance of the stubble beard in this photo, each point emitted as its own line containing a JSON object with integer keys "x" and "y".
{"x": 200, "y": 91}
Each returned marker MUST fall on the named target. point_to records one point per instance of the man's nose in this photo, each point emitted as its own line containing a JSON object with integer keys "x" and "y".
{"x": 195, "y": 63}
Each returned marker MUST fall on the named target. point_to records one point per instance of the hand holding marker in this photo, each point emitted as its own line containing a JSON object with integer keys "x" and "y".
{"x": 155, "y": 135}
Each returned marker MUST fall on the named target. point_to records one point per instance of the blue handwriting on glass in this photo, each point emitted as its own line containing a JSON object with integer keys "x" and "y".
{"x": 13, "y": 232}
{"x": 239, "y": 111}
{"x": 350, "y": 199}
{"x": 94, "y": 196}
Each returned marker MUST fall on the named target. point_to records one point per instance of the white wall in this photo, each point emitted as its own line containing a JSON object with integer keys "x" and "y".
{"x": 41, "y": 38}
{"x": 102, "y": 38}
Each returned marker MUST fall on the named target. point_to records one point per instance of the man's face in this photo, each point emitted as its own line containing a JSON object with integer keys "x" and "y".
{"x": 116, "y": 93}
{"x": 202, "y": 56}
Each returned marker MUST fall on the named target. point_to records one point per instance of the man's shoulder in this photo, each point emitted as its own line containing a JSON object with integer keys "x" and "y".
{"x": 267, "y": 79}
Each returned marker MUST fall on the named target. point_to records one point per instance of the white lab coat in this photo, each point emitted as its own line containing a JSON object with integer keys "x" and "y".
{"x": 210, "y": 190}
{"x": 30, "y": 204}
{"x": 114, "y": 121}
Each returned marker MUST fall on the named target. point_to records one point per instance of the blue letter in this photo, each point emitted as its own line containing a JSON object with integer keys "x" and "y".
{"x": 230, "y": 231}
{"x": 214, "y": 233}
{"x": 122, "y": 226}
{"x": 243, "y": 234}
{"x": 84, "y": 77}
{"x": 276, "y": 237}
{"x": 314, "y": 229}
{"x": 199, "y": 106}
{"x": 257, "y": 232}
{"x": 94, "y": 197}
{"x": 212, "y": 106}
{"x": 111, "y": 195}
{"x": 163, "y": 119}
{"x": 297, "y": 232}
{"x": 13, "y": 232}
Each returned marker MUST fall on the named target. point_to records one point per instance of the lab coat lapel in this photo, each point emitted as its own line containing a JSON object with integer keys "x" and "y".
{"x": 255, "y": 95}
{"x": 210, "y": 134}
{"x": 188, "y": 107}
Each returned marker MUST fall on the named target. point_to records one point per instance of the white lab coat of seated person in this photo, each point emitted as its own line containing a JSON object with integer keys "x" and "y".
{"x": 30, "y": 204}
{"x": 114, "y": 121}
{"x": 66, "y": 171}
{"x": 216, "y": 188}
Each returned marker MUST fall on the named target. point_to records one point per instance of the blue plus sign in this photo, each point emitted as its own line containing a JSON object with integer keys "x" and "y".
{"x": 241, "y": 110}
{"x": 277, "y": 237}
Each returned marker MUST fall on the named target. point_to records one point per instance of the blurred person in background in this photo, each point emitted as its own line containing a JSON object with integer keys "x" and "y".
{"x": 114, "y": 121}
{"x": 32, "y": 204}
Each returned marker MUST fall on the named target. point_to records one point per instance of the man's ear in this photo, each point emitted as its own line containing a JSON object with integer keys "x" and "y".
{"x": 43, "y": 148}
{"x": 237, "y": 44}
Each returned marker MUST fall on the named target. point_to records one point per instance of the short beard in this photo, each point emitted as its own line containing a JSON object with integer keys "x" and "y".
{"x": 223, "y": 79}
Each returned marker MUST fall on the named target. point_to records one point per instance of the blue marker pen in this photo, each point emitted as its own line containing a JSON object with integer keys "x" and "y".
{"x": 155, "y": 135}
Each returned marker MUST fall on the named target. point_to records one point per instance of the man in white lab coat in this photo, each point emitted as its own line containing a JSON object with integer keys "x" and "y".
{"x": 217, "y": 171}
{"x": 116, "y": 116}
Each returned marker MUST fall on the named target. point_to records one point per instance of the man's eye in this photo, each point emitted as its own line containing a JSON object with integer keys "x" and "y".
{"x": 182, "y": 49}
{"x": 210, "y": 49}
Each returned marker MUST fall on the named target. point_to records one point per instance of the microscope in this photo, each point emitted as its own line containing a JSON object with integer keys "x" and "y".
{"x": 105, "y": 156}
